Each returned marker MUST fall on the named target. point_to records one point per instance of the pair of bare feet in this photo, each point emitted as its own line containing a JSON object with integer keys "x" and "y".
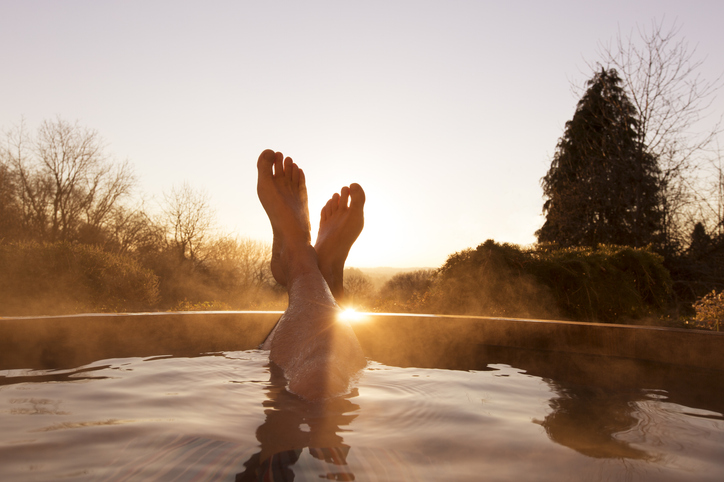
{"x": 317, "y": 352}
{"x": 282, "y": 191}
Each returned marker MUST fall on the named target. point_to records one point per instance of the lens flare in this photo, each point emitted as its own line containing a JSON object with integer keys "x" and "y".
{"x": 351, "y": 315}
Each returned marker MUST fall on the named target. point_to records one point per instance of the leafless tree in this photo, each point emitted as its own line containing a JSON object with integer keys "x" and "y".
{"x": 65, "y": 180}
{"x": 130, "y": 229}
{"x": 716, "y": 193}
{"x": 240, "y": 264}
{"x": 9, "y": 209}
{"x": 663, "y": 79}
{"x": 358, "y": 288}
{"x": 189, "y": 218}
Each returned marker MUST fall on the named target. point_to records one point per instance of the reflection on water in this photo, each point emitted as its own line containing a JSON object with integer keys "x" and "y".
{"x": 589, "y": 420}
{"x": 293, "y": 425}
{"x": 508, "y": 415}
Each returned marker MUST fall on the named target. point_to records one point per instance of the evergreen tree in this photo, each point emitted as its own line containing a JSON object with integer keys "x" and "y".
{"x": 602, "y": 184}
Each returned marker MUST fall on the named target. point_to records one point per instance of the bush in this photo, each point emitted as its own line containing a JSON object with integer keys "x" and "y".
{"x": 710, "y": 310}
{"x": 606, "y": 283}
{"x": 230, "y": 272}
{"x": 491, "y": 280}
{"x": 358, "y": 289}
{"x": 60, "y": 278}
{"x": 405, "y": 292}
{"x": 186, "y": 305}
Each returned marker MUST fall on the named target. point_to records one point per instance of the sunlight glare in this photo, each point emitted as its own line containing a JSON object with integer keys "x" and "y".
{"x": 351, "y": 315}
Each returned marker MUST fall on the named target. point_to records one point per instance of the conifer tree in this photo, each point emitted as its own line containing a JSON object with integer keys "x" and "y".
{"x": 602, "y": 185}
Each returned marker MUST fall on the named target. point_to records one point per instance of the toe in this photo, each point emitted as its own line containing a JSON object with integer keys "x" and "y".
{"x": 302, "y": 180}
{"x": 265, "y": 162}
{"x": 357, "y": 196}
{"x": 278, "y": 164}
{"x": 344, "y": 197}
{"x": 329, "y": 208}
{"x": 295, "y": 174}
{"x": 288, "y": 163}
{"x": 323, "y": 214}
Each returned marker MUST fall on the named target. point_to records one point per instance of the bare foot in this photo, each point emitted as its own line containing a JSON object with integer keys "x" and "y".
{"x": 283, "y": 193}
{"x": 339, "y": 228}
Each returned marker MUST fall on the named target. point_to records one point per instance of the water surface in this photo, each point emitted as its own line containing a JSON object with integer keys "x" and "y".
{"x": 227, "y": 416}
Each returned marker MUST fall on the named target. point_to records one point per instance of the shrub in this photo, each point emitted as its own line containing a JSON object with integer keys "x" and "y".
{"x": 358, "y": 289}
{"x": 186, "y": 305}
{"x": 406, "y": 292}
{"x": 491, "y": 280}
{"x": 710, "y": 310}
{"x": 58, "y": 278}
{"x": 233, "y": 271}
{"x": 606, "y": 283}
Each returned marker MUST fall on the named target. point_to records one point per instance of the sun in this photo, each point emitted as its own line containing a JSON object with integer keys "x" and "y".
{"x": 350, "y": 315}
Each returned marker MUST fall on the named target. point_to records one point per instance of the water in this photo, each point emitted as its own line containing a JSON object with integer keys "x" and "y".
{"x": 226, "y": 416}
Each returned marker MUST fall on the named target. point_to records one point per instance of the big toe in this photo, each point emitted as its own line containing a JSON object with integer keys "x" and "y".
{"x": 266, "y": 161}
{"x": 356, "y": 196}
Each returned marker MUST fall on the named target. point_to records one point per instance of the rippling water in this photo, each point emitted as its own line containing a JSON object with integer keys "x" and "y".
{"x": 226, "y": 416}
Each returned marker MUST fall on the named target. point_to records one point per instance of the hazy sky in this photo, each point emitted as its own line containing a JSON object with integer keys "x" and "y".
{"x": 446, "y": 112}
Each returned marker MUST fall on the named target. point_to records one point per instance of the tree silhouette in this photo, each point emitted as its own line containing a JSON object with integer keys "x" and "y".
{"x": 662, "y": 75}
{"x": 602, "y": 184}
{"x": 189, "y": 218}
{"x": 64, "y": 183}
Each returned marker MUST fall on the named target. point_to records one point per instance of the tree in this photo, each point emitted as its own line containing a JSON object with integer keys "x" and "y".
{"x": 358, "y": 288}
{"x": 10, "y": 220}
{"x": 602, "y": 185}
{"x": 64, "y": 181}
{"x": 131, "y": 230}
{"x": 240, "y": 265}
{"x": 188, "y": 217}
{"x": 662, "y": 77}
{"x": 406, "y": 291}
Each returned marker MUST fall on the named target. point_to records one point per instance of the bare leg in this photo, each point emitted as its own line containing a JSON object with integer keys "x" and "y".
{"x": 339, "y": 227}
{"x": 317, "y": 352}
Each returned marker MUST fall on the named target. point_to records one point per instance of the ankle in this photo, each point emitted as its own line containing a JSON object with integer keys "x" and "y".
{"x": 299, "y": 260}
{"x": 334, "y": 276}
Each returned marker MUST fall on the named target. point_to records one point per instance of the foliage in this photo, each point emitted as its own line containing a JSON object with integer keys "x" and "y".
{"x": 710, "y": 310}
{"x": 10, "y": 218}
{"x": 186, "y": 305}
{"x": 601, "y": 187}
{"x": 117, "y": 256}
{"x": 358, "y": 289}
{"x": 55, "y": 278}
{"x": 662, "y": 76}
{"x": 63, "y": 183}
{"x": 234, "y": 271}
{"x": 58, "y": 185}
{"x": 188, "y": 216}
{"x": 697, "y": 270}
{"x": 238, "y": 270}
{"x": 491, "y": 280}
{"x": 405, "y": 292}
{"x": 606, "y": 283}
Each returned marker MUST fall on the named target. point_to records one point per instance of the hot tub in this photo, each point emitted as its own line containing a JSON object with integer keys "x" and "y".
{"x": 187, "y": 396}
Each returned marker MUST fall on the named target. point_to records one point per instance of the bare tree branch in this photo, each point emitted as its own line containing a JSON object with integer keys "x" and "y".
{"x": 662, "y": 76}
{"x": 189, "y": 218}
{"x": 65, "y": 181}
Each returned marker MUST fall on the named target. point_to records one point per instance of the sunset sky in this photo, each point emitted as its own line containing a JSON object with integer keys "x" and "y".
{"x": 446, "y": 112}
